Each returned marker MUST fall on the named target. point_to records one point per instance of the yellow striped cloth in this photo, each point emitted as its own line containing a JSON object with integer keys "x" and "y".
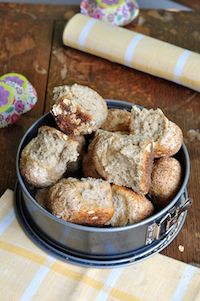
{"x": 134, "y": 50}
{"x": 27, "y": 273}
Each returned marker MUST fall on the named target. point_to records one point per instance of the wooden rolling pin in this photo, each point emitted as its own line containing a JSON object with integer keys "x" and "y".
{"x": 134, "y": 50}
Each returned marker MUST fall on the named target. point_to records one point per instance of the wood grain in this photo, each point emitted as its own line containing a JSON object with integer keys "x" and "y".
{"x": 26, "y": 46}
{"x": 194, "y": 4}
{"x": 39, "y": 11}
{"x": 9, "y": 140}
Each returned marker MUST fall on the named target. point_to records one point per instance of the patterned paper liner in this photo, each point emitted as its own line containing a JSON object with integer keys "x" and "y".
{"x": 116, "y": 12}
{"x": 17, "y": 96}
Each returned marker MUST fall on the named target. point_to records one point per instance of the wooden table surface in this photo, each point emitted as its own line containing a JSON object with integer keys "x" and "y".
{"x": 30, "y": 43}
{"x": 193, "y": 4}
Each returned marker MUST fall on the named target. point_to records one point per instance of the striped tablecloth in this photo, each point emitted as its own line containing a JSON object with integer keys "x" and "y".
{"x": 27, "y": 273}
{"x": 134, "y": 50}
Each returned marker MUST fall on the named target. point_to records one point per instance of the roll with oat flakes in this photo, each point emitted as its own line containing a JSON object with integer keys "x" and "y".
{"x": 87, "y": 201}
{"x": 78, "y": 110}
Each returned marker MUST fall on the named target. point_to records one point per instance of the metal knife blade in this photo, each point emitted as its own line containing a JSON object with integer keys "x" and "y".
{"x": 162, "y": 4}
{"x": 144, "y": 4}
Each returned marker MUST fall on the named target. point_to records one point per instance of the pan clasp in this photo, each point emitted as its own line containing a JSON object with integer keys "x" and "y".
{"x": 168, "y": 222}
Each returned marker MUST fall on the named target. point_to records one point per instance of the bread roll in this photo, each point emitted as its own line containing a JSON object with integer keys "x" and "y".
{"x": 87, "y": 201}
{"x": 78, "y": 110}
{"x": 165, "y": 180}
{"x": 152, "y": 124}
{"x": 130, "y": 207}
{"x": 124, "y": 160}
{"x": 41, "y": 196}
{"x": 170, "y": 143}
{"x": 117, "y": 121}
{"x": 88, "y": 167}
{"x": 74, "y": 167}
{"x": 44, "y": 159}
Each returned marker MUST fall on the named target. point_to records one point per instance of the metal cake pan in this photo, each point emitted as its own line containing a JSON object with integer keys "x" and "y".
{"x": 104, "y": 244}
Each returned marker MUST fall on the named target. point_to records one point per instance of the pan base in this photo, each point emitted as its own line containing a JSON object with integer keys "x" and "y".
{"x": 65, "y": 255}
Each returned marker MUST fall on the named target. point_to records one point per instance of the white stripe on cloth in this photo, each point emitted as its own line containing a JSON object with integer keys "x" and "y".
{"x": 109, "y": 284}
{"x": 180, "y": 64}
{"x": 36, "y": 281}
{"x": 85, "y": 31}
{"x": 128, "y": 57}
{"x": 6, "y": 221}
{"x": 183, "y": 283}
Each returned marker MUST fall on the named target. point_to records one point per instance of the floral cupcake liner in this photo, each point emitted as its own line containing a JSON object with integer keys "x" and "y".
{"x": 17, "y": 96}
{"x": 116, "y": 12}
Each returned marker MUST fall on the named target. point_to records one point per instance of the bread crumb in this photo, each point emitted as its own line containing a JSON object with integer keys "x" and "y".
{"x": 181, "y": 248}
{"x": 57, "y": 110}
{"x": 38, "y": 68}
{"x": 193, "y": 135}
{"x": 91, "y": 212}
{"x": 197, "y": 234}
{"x": 63, "y": 71}
{"x": 59, "y": 54}
{"x": 66, "y": 101}
{"x": 148, "y": 147}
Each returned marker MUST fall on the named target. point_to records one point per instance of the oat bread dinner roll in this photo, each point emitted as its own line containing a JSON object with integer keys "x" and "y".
{"x": 165, "y": 180}
{"x": 75, "y": 166}
{"x": 117, "y": 121}
{"x": 41, "y": 196}
{"x": 88, "y": 167}
{"x": 124, "y": 160}
{"x": 153, "y": 124}
{"x": 44, "y": 159}
{"x": 87, "y": 201}
{"x": 78, "y": 110}
{"x": 130, "y": 207}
